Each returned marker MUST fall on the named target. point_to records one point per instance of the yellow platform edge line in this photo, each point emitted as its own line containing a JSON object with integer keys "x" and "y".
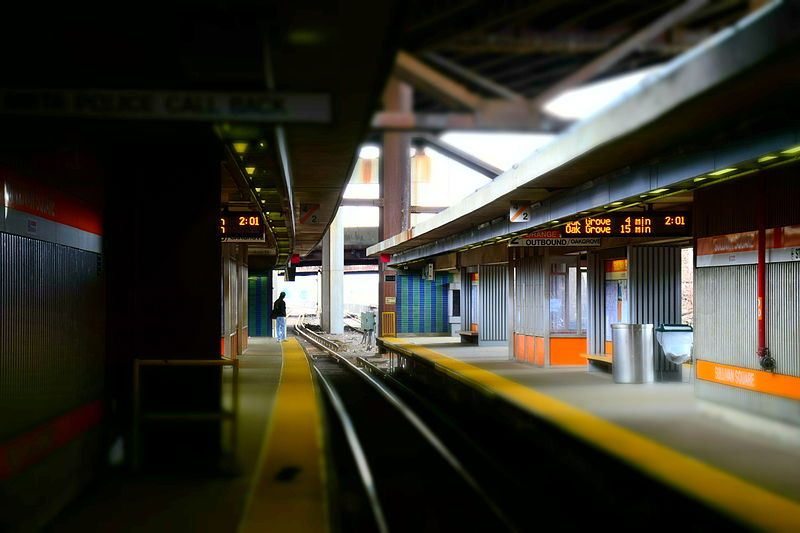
{"x": 288, "y": 489}
{"x": 746, "y": 502}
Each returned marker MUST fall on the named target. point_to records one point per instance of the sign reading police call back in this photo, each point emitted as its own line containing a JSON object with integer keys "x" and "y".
{"x": 167, "y": 105}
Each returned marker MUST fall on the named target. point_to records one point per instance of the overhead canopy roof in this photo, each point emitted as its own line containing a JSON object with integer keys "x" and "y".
{"x": 745, "y": 71}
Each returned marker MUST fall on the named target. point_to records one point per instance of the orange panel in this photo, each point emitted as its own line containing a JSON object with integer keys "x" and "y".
{"x": 519, "y": 347}
{"x": 745, "y": 378}
{"x": 473, "y": 327}
{"x": 609, "y": 348}
{"x": 529, "y": 349}
{"x": 567, "y": 351}
{"x": 539, "y": 350}
{"x": 222, "y": 346}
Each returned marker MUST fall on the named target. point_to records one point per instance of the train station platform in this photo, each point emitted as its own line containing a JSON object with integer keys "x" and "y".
{"x": 746, "y": 469}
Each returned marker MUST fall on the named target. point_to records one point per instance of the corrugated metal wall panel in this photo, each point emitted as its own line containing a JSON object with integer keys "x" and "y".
{"x": 654, "y": 278}
{"x": 724, "y": 315}
{"x": 466, "y": 300}
{"x": 52, "y": 331}
{"x": 529, "y": 296}
{"x": 595, "y": 333}
{"x": 783, "y": 316}
{"x": 730, "y": 208}
{"x": 493, "y": 289}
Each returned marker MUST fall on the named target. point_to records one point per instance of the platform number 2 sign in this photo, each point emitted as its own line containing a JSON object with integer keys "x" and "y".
{"x": 520, "y": 212}
{"x": 309, "y": 214}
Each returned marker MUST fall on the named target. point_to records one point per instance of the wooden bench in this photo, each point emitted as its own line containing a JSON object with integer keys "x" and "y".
{"x": 598, "y": 361}
{"x": 604, "y": 357}
{"x": 469, "y": 337}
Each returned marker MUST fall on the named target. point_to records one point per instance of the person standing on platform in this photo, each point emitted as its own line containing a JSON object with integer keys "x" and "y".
{"x": 279, "y": 314}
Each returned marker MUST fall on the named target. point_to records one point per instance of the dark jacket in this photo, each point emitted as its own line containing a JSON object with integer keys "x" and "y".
{"x": 279, "y": 309}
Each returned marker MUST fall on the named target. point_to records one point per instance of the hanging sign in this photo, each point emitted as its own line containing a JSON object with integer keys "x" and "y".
{"x": 167, "y": 105}
{"x": 244, "y": 226}
{"x": 650, "y": 224}
{"x": 551, "y": 238}
{"x": 782, "y": 245}
{"x": 520, "y": 212}
{"x": 309, "y": 214}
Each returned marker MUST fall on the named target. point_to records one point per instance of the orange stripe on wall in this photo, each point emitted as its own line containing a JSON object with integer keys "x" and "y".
{"x": 566, "y": 351}
{"x": 518, "y": 345}
{"x": 744, "y": 378}
{"x": 18, "y": 454}
{"x": 473, "y": 327}
{"x": 609, "y": 347}
{"x": 40, "y": 200}
{"x": 539, "y": 350}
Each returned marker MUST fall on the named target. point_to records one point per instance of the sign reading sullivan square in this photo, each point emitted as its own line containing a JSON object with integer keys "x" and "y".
{"x": 167, "y": 105}
{"x": 551, "y": 238}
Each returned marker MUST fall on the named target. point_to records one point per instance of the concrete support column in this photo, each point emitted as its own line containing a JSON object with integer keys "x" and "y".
{"x": 395, "y": 182}
{"x": 333, "y": 277}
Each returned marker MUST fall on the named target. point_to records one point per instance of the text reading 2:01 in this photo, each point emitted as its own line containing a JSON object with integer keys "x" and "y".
{"x": 248, "y": 221}
{"x": 675, "y": 221}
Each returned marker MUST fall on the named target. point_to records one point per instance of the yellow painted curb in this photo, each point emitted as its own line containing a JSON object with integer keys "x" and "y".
{"x": 288, "y": 491}
{"x": 731, "y": 495}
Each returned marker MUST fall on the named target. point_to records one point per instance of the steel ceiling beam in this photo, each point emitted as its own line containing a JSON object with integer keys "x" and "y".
{"x": 413, "y": 71}
{"x": 610, "y": 58}
{"x": 456, "y": 154}
{"x": 473, "y": 77}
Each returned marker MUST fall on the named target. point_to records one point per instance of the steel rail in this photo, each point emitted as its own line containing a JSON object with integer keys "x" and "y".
{"x": 358, "y": 452}
{"x": 417, "y": 422}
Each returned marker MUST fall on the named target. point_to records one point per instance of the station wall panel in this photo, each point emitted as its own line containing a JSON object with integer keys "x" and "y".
{"x": 493, "y": 301}
{"x": 567, "y": 350}
{"x": 52, "y": 346}
{"x": 538, "y": 346}
{"x": 530, "y": 349}
{"x": 52, "y": 374}
{"x": 529, "y": 286}
{"x": 726, "y": 332}
{"x": 422, "y": 304}
{"x": 655, "y": 295}
{"x": 259, "y": 306}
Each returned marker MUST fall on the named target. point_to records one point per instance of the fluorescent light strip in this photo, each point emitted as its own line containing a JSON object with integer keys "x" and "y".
{"x": 722, "y": 171}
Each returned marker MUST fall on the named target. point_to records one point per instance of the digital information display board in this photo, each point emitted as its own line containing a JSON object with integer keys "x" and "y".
{"x": 241, "y": 227}
{"x": 631, "y": 225}
{"x": 586, "y": 232}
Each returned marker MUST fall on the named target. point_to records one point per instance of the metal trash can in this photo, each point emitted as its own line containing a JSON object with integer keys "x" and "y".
{"x": 633, "y": 353}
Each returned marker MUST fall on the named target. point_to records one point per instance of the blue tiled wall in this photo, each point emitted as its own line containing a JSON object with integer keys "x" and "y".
{"x": 259, "y": 306}
{"x": 422, "y": 304}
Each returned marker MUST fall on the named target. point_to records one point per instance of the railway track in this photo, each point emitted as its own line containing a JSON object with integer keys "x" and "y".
{"x": 390, "y": 469}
